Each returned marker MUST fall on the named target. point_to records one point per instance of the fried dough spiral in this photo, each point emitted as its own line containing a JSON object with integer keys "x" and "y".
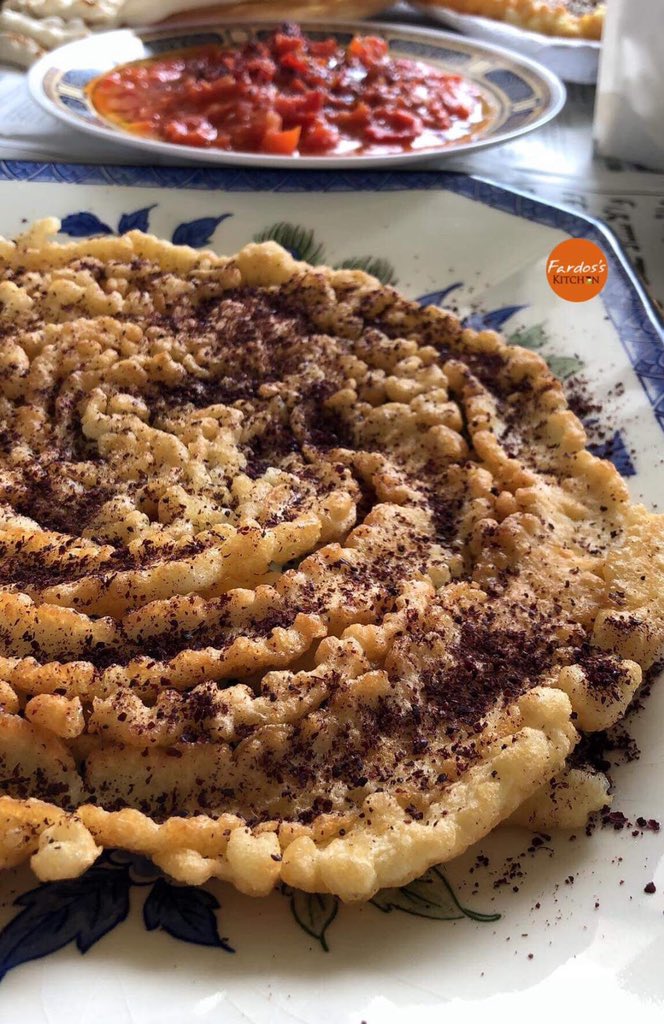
{"x": 298, "y": 580}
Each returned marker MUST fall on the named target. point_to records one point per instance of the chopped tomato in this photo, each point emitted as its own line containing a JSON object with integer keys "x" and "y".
{"x": 294, "y": 62}
{"x": 300, "y": 109}
{"x": 356, "y": 119}
{"x": 284, "y": 43}
{"x": 285, "y": 93}
{"x": 262, "y": 69}
{"x": 224, "y": 87}
{"x": 368, "y": 49}
{"x": 248, "y": 134}
{"x": 393, "y": 125}
{"x": 191, "y": 131}
{"x": 323, "y": 48}
{"x": 319, "y": 137}
{"x": 284, "y": 143}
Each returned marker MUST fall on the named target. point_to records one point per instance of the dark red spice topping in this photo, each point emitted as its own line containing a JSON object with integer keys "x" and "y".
{"x": 490, "y": 663}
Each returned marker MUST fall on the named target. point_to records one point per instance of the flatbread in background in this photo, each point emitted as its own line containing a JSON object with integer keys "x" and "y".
{"x": 567, "y": 19}
{"x": 29, "y": 28}
{"x": 262, "y": 10}
{"x": 24, "y": 37}
{"x": 179, "y": 11}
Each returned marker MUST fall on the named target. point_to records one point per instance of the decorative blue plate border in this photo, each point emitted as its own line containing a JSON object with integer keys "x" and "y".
{"x": 640, "y": 329}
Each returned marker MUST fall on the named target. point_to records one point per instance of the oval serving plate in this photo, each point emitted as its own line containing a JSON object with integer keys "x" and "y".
{"x": 574, "y": 60}
{"x": 522, "y": 95}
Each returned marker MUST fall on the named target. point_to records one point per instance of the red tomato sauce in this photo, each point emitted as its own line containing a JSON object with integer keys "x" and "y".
{"x": 290, "y": 94}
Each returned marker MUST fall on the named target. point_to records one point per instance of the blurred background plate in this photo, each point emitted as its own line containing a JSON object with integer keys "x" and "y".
{"x": 272, "y": 10}
{"x": 573, "y": 60}
{"x": 522, "y": 95}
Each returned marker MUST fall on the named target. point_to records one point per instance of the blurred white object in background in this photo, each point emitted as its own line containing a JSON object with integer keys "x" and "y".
{"x": 629, "y": 110}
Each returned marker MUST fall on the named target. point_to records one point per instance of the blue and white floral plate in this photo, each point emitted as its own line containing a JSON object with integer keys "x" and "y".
{"x": 521, "y": 927}
{"x": 521, "y": 95}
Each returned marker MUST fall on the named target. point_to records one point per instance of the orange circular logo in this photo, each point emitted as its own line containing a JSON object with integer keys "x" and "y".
{"x": 577, "y": 270}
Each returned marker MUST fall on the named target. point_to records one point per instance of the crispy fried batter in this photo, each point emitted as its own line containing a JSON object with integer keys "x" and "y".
{"x": 298, "y": 580}
{"x": 576, "y": 19}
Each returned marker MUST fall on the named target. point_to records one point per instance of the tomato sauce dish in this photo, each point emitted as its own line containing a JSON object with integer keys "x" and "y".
{"x": 292, "y": 94}
{"x": 319, "y": 95}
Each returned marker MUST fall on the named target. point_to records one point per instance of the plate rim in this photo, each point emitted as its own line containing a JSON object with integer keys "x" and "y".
{"x": 641, "y": 333}
{"x": 555, "y": 86}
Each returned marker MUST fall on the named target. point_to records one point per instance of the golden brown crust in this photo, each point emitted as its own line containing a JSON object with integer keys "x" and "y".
{"x": 574, "y": 19}
{"x": 298, "y": 580}
{"x": 274, "y": 10}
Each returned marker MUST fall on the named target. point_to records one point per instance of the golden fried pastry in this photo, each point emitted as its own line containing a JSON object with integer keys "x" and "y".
{"x": 577, "y": 19}
{"x": 299, "y": 581}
